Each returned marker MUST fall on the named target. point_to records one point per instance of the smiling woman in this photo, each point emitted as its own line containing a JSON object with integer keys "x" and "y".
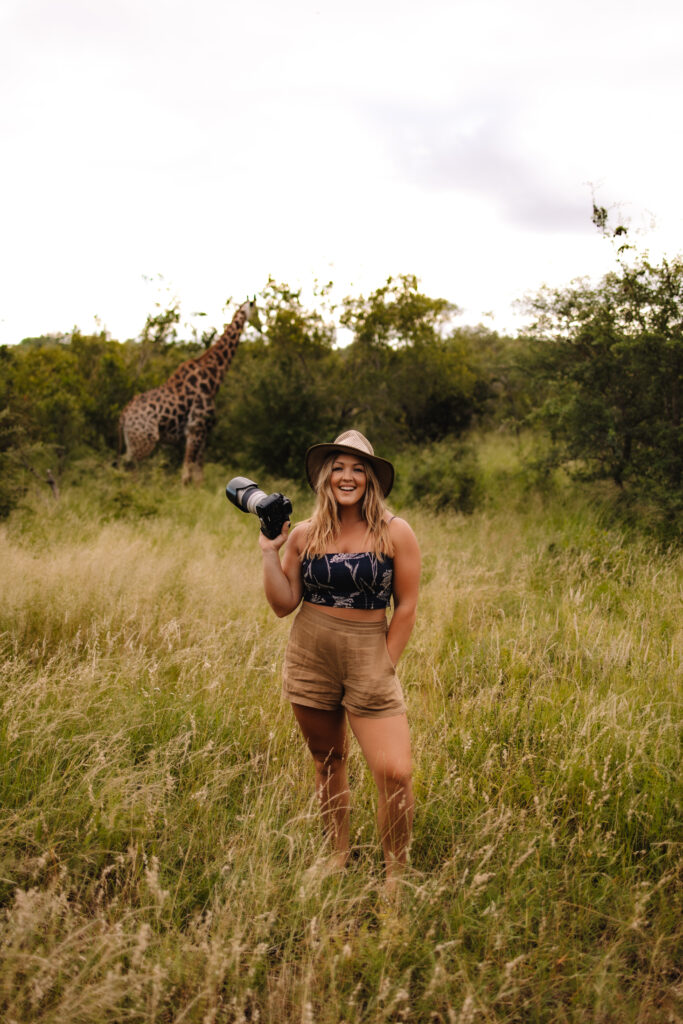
{"x": 344, "y": 566}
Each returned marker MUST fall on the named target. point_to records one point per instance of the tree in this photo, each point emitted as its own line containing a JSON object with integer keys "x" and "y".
{"x": 48, "y": 395}
{"x": 397, "y": 315}
{"x": 409, "y": 376}
{"x": 609, "y": 361}
{"x": 34, "y": 419}
{"x": 282, "y": 393}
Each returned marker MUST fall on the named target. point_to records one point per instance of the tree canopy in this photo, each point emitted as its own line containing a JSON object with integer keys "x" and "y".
{"x": 599, "y": 367}
{"x": 608, "y": 361}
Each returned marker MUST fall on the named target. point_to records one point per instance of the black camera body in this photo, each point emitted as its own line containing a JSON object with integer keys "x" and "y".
{"x": 273, "y": 510}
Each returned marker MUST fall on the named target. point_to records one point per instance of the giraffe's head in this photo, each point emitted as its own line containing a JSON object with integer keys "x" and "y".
{"x": 249, "y": 309}
{"x": 251, "y": 313}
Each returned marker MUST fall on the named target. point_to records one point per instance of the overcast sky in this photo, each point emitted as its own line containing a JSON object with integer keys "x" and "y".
{"x": 216, "y": 143}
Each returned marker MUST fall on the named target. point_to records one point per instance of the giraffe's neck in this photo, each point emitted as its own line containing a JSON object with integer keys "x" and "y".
{"x": 219, "y": 356}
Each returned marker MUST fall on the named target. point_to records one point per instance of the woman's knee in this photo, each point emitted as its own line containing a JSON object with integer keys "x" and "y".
{"x": 328, "y": 762}
{"x": 396, "y": 777}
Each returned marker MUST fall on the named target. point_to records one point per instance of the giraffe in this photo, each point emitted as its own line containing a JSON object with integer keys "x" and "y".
{"x": 183, "y": 408}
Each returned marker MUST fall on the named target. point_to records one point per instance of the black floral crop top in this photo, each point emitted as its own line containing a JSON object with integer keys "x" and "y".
{"x": 348, "y": 580}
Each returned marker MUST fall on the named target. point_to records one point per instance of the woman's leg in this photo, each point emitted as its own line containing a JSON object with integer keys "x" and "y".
{"x": 325, "y": 734}
{"x": 385, "y": 742}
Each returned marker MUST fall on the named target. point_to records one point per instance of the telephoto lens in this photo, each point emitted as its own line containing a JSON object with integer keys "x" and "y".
{"x": 272, "y": 510}
{"x": 244, "y": 493}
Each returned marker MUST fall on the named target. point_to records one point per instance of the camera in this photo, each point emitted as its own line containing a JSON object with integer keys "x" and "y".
{"x": 273, "y": 510}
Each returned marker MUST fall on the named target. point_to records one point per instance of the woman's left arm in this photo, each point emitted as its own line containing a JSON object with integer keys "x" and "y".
{"x": 407, "y": 564}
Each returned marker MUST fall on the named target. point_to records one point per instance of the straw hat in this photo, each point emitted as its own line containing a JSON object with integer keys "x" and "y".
{"x": 351, "y": 442}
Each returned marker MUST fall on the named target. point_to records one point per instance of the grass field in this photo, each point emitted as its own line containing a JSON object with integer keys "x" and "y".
{"x": 158, "y": 837}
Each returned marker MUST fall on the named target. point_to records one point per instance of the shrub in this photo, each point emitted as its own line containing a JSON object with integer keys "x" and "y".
{"x": 443, "y": 476}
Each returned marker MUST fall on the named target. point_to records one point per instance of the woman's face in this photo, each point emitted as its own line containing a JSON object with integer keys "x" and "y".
{"x": 348, "y": 479}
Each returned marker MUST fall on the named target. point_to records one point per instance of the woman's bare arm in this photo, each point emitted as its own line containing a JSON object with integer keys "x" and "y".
{"x": 407, "y": 565}
{"x": 282, "y": 580}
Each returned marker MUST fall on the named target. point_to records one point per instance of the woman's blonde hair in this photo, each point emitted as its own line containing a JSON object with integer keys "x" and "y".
{"x": 324, "y": 524}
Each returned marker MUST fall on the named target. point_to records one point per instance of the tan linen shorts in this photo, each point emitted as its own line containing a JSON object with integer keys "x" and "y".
{"x": 331, "y": 662}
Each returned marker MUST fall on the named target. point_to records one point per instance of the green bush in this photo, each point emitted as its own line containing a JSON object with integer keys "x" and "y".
{"x": 607, "y": 363}
{"x": 442, "y": 476}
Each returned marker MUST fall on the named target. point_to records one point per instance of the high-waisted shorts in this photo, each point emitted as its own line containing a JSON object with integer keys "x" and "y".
{"x": 332, "y": 662}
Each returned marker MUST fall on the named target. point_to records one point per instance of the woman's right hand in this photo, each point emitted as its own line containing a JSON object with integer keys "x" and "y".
{"x": 266, "y": 544}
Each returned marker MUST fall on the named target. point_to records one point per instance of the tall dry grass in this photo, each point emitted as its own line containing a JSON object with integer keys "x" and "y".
{"x": 159, "y": 831}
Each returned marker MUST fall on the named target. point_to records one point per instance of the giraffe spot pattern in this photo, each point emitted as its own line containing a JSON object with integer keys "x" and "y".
{"x": 182, "y": 408}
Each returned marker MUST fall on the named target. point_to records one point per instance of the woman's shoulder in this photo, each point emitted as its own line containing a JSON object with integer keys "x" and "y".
{"x": 400, "y": 531}
{"x": 395, "y": 522}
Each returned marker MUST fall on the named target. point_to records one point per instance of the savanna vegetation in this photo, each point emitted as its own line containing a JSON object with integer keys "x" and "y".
{"x": 159, "y": 837}
{"x": 160, "y": 844}
{"x": 596, "y": 375}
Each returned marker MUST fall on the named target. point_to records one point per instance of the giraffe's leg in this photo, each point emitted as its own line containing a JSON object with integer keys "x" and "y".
{"x": 195, "y": 441}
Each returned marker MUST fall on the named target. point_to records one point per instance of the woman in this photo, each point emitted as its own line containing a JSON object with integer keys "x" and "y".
{"x": 347, "y": 562}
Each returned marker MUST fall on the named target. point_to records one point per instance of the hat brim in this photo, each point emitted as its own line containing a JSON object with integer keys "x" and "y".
{"x": 317, "y": 453}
